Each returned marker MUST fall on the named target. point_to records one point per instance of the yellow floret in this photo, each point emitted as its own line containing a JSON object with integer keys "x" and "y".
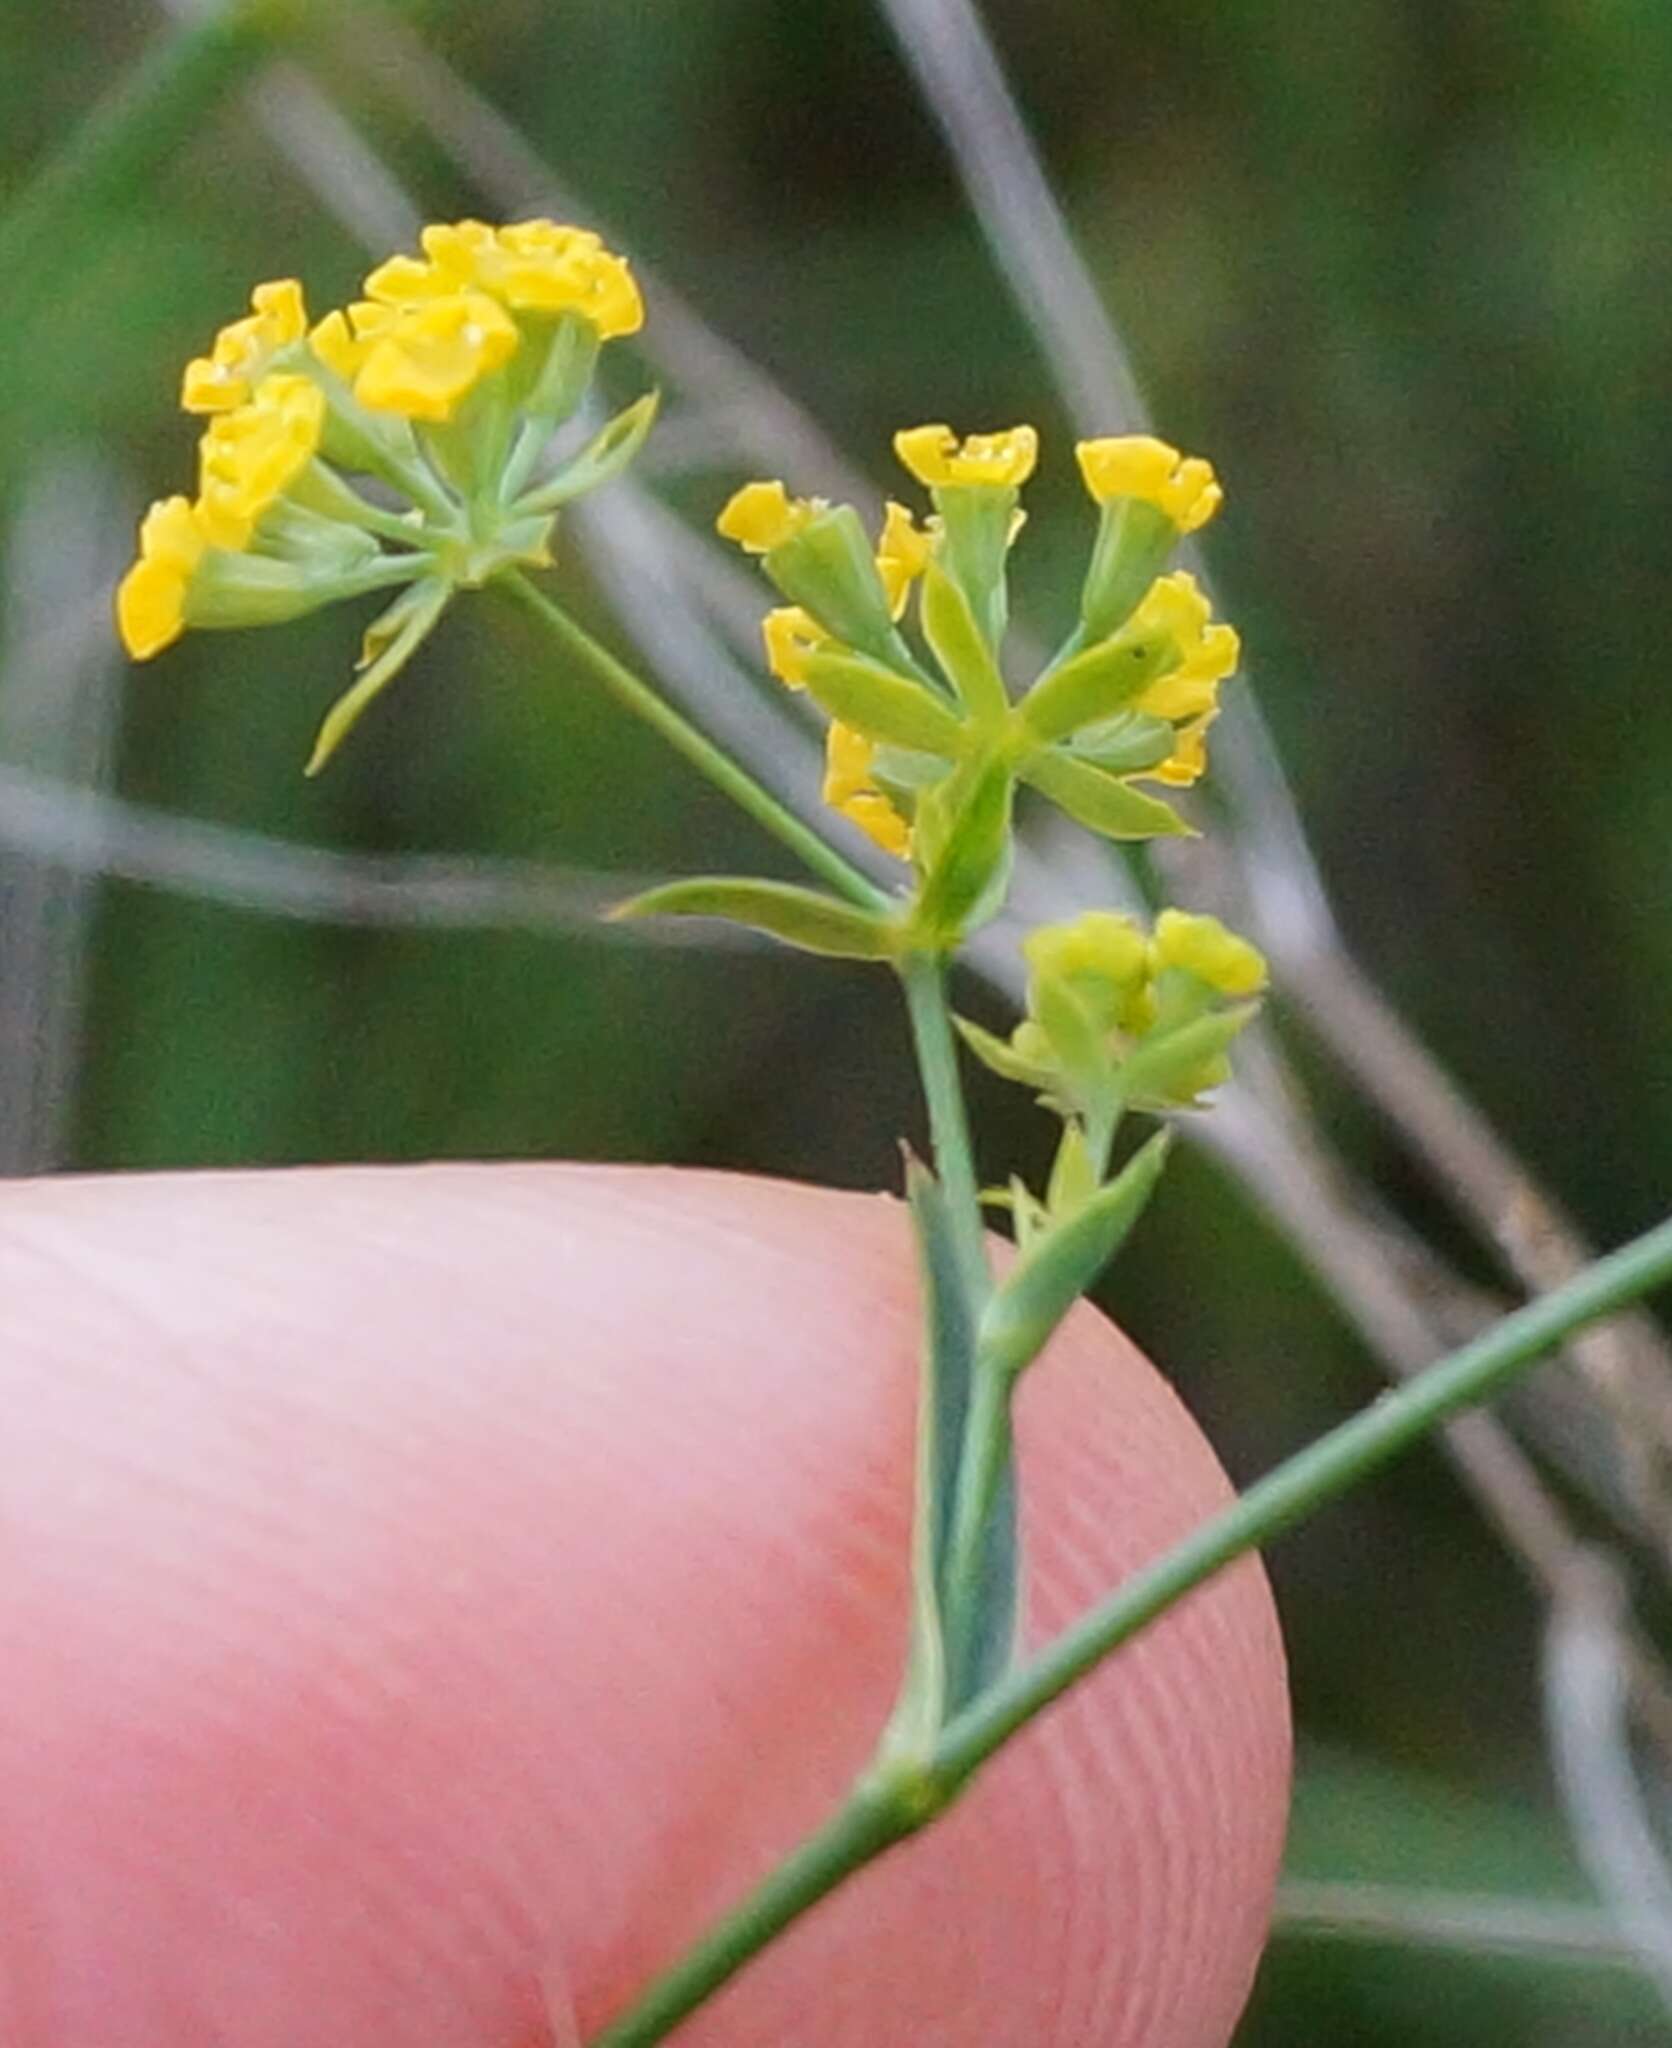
{"x": 1140, "y": 466}
{"x": 1206, "y": 949}
{"x": 249, "y": 457}
{"x": 343, "y": 340}
{"x": 1188, "y": 762}
{"x": 903, "y": 551}
{"x": 151, "y": 599}
{"x": 1207, "y": 653}
{"x": 433, "y": 355}
{"x": 240, "y": 353}
{"x": 935, "y": 455}
{"x": 849, "y": 789}
{"x": 1101, "y": 943}
{"x": 762, "y": 516}
{"x": 791, "y": 635}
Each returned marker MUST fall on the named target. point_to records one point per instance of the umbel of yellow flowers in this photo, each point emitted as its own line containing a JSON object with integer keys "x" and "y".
{"x": 1128, "y": 699}
{"x": 395, "y": 443}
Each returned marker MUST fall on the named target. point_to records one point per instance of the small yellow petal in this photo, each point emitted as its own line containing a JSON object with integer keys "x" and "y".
{"x": 762, "y": 516}
{"x": 241, "y": 352}
{"x": 249, "y": 457}
{"x": 150, "y": 601}
{"x": 1204, "y": 947}
{"x": 903, "y": 551}
{"x": 1140, "y": 466}
{"x": 790, "y": 635}
{"x": 935, "y": 455}
{"x": 848, "y": 789}
{"x": 434, "y": 354}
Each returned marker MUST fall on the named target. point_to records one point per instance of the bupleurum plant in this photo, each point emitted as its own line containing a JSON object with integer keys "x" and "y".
{"x": 422, "y": 441}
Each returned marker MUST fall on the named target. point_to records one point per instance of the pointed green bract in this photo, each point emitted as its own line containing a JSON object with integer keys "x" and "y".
{"x": 957, "y": 643}
{"x": 1061, "y": 1264}
{"x": 1094, "y": 685}
{"x": 882, "y": 704}
{"x": 604, "y": 456}
{"x": 1099, "y": 801}
{"x": 800, "y": 917}
{"x": 1169, "y": 1068}
{"x": 1002, "y": 1057}
{"x": 977, "y": 521}
{"x": 965, "y": 823}
{"x": 405, "y": 626}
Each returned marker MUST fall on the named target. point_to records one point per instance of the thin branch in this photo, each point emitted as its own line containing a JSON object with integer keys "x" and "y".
{"x": 85, "y": 832}
{"x": 1587, "y": 1691}
{"x": 1473, "y": 1923}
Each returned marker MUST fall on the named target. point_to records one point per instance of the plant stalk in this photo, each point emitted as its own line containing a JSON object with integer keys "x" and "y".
{"x": 875, "y": 1819}
{"x": 639, "y": 698}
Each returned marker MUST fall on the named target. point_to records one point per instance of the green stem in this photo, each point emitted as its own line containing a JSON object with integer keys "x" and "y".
{"x": 128, "y": 135}
{"x": 879, "y": 1815}
{"x": 923, "y": 976}
{"x": 983, "y": 1461}
{"x": 639, "y": 698}
{"x": 873, "y": 1819}
{"x": 1304, "y": 1482}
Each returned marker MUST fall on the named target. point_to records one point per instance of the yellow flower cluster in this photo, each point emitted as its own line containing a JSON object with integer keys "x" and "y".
{"x": 1135, "y": 623}
{"x": 428, "y": 333}
{"x": 431, "y": 328}
{"x": 248, "y": 458}
{"x": 1125, "y": 985}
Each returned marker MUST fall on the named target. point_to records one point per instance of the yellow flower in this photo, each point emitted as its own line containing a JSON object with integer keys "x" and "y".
{"x": 1139, "y": 466}
{"x": 435, "y": 354}
{"x": 848, "y": 788}
{"x": 1207, "y": 653}
{"x": 1206, "y": 949}
{"x": 240, "y": 353}
{"x": 903, "y": 551}
{"x": 151, "y": 599}
{"x": 762, "y": 516}
{"x": 343, "y": 340}
{"x": 250, "y": 456}
{"x": 1188, "y": 762}
{"x": 790, "y": 635}
{"x": 935, "y": 455}
{"x": 1103, "y": 944}
{"x": 533, "y": 266}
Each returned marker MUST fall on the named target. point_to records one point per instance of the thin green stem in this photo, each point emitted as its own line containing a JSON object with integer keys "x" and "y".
{"x": 879, "y": 1816}
{"x": 982, "y": 1463}
{"x": 923, "y": 976}
{"x": 872, "y": 1820}
{"x": 644, "y": 703}
{"x": 1329, "y": 1467}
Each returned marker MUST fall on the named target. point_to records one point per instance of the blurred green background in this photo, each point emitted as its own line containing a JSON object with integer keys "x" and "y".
{"x": 1404, "y": 271}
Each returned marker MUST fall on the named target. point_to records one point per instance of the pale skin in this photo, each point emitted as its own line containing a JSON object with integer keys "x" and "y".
{"x": 427, "y": 1599}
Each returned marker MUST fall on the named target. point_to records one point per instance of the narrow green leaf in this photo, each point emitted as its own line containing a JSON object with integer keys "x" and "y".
{"x": 957, "y": 643}
{"x": 605, "y": 455}
{"x": 800, "y": 917}
{"x": 1168, "y": 1068}
{"x": 1095, "y": 684}
{"x": 1073, "y": 1176}
{"x": 943, "y": 1405}
{"x": 412, "y": 617}
{"x": 1059, "y": 1266}
{"x": 970, "y": 814}
{"x": 1079, "y": 1045}
{"x": 1100, "y": 802}
{"x": 883, "y": 705}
